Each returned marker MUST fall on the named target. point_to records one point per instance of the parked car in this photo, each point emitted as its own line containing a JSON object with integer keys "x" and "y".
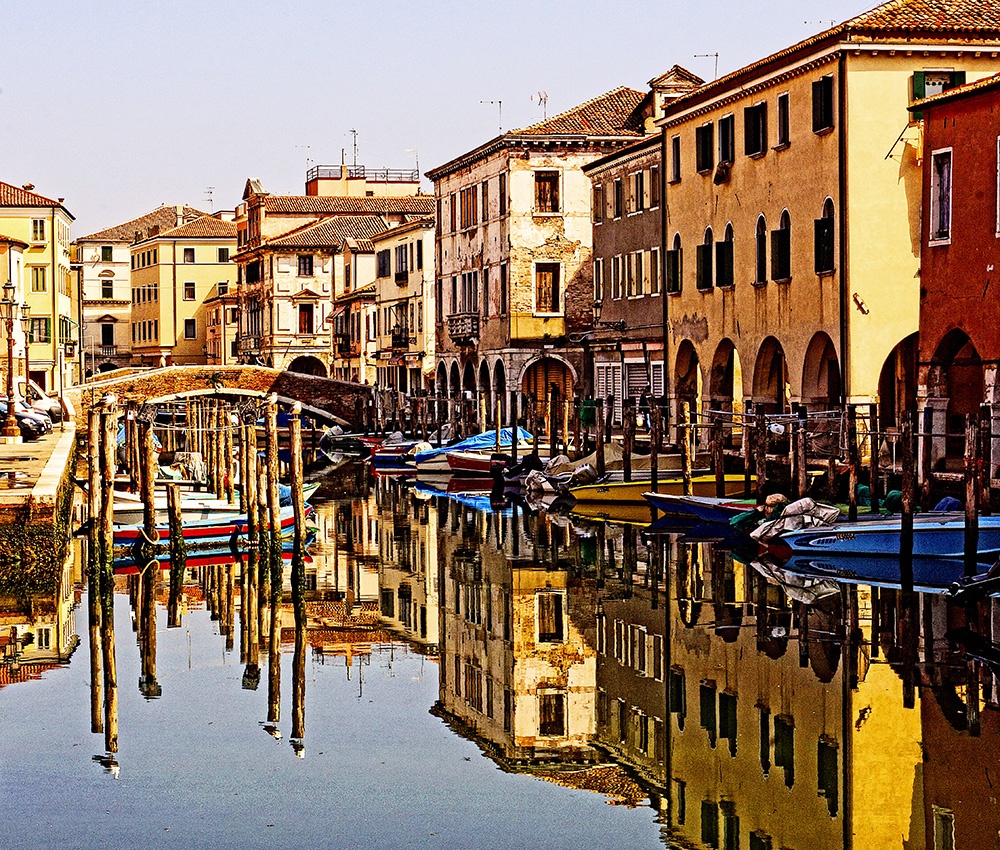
{"x": 36, "y": 398}
{"x": 21, "y": 408}
{"x": 30, "y": 426}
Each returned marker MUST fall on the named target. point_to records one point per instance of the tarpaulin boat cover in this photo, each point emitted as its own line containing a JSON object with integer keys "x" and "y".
{"x": 805, "y": 513}
{"x": 481, "y": 442}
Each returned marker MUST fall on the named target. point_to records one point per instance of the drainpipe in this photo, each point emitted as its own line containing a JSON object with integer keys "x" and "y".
{"x": 845, "y": 357}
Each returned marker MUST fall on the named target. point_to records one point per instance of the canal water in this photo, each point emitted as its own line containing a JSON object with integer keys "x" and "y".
{"x": 472, "y": 677}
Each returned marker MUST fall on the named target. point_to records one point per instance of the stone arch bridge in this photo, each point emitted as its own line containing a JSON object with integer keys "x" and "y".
{"x": 339, "y": 402}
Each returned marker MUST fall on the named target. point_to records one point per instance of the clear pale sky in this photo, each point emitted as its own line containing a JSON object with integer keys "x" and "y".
{"x": 120, "y": 106}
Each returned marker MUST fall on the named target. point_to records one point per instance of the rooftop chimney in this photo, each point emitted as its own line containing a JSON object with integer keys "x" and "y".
{"x": 28, "y": 187}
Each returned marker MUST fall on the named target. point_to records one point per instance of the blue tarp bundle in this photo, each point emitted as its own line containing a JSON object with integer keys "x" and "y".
{"x": 481, "y": 442}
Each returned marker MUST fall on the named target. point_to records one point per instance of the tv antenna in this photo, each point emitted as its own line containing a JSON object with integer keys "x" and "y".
{"x": 416, "y": 156}
{"x": 208, "y": 197}
{"x": 542, "y": 99}
{"x": 308, "y": 158}
{"x": 710, "y": 56}
{"x": 823, "y": 22}
{"x": 499, "y": 104}
{"x": 354, "y": 133}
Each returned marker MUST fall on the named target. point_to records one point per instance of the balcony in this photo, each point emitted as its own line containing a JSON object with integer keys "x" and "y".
{"x": 400, "y": 338}
{"x": 107, "y": 350}
{"x": 248, "y": 344}
{"x": 463, "y": 328}
{"x": 402, "y": 277}
{"x": 342, "y": 342}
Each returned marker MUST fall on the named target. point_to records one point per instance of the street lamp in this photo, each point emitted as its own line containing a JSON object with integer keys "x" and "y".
{"x": 26, "y": 328}
{"x": 11, "y": 433}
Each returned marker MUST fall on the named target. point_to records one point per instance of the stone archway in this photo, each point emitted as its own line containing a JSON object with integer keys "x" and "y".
{"x": 539, "y": 376}
{"x": 821, "y": 384}
{"x": 500, "y": 389}
{"x": 725, "y": 384}
{"x": 956, "y": 388}
{"x": 441, "y": 381}
{"x": 454, "y": 380}
{"x": 469, "y": 377}
{"x": 307, "y": 364}
{"x": 897, "y": 383}
{"x": 771, "y": 388}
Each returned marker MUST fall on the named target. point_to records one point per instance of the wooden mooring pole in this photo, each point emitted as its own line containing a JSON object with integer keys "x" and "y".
{"x": 628, "y": 437}
{"x": 109, "y": 433}
{"x": 874, "y": 474}
{"x": 94, "y": 565}
{"x": 298, "y": 580}
{"x": 178, "y": 556}
{"x": 908, "y": 499}
{"x": 654, "y": 446}
{"x": 853, "y": 461}
{"x": 719, "y": 454}
{"x": 599, "y": 426}
{"x": 760, "y": 440}
{"x": 972, "y": 494}
{"x": 684, "y": 437}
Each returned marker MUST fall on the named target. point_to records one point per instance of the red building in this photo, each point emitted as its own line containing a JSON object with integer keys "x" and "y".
{"x": 959, "y": 346}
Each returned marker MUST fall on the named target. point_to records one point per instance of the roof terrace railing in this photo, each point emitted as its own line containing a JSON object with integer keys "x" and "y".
{"x": 360, "y": 172}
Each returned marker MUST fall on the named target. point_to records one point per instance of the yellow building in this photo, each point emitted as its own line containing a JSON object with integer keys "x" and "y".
{"x": 173, "y": 273}
{"x": 44, "y": 224}
{"x": 791, "y": 247}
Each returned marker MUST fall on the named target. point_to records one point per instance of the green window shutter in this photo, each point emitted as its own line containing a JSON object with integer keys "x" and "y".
{"x": 917, "y": 92}
{"x": 957, "y": 79}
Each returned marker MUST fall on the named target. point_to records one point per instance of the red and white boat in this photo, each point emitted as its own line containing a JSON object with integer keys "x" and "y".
{"x": 470, "y": 463}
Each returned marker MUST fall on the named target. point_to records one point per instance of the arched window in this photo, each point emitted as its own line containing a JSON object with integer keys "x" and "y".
{"x": 761, "y": 245}
{"x": 724, "y": 258}
{"x": 781, "y": 248}
{"x": 674, "y": 265}
{"x": 823, "y": 253}
{"x": 704, "y": 258}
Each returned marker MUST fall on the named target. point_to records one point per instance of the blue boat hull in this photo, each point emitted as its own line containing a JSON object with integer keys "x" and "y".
{"x": 941, "y": 536}
{"x": 933, "y": 575}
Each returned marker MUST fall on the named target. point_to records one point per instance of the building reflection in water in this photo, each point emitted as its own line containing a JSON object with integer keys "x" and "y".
{"x": 753, "y": 708}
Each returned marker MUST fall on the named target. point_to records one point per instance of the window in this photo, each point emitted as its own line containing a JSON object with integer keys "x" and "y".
{"x": 675, "y": 159}
{"x": 926, "y": 83}
{"x": 727, "y": 144}
{"x": 598, "y": 280}
{"x": 616, "y": 277}
{"x": 484, "y": 195}
{"x": 107, "y": 333}
{"x": 190, "y": 329}
{"x": 382, "y": 261}
{"x": 306, "y": 325}
{"x": 551, "y": 715}
{"x": 940, "y": 223}
{"x": 41, "y": 329}
{"x": 550, "y": 616}
{"x": 704, "y": 138}
{"x": 781, "y": 249}
{"x": 822, "y": 94}
{"x": 107, "y": 289}
{"x": 305, "y": 265}
{"x": 486, "y": 293}
{"x": 944, "y": 829}
{"x": 502, "y": 194}
{"x": 618, "y": 208}
{"x": 189, "y": 255}
{"x": 827, "y": 779}
{"x": 674, "y": 267}
{"x": 453, "y": 208}
{"x": 709, "y": 824}
{"x": 503, "y": 290}
{"x": 223, "y": 255}
{"x": 402, "y": 258}
{"x": 233, "y": 348}
{"x": 38, "y": 279}
{"x": 234, "y": 314}
{"x": 547, "y": 192}
{"x": 106, "y": 253}
{"x": 154, "y": 256}
{"x": 420, "y": 253}
{"x": 755, "y": 129}
{"x": 760, "y": 237}
{"x": 784, "y": 747}
{"x": 38, "y": 230}
{"x": 468, "y": 207}
{"x": 223, "y": 287}
{"x": 654, "y": 186}
{"x": 823, "y": 240}
{"x": 598, "y": 204}
{"x": 189, "y": 290}
{"x": 548, "y": 296}
{"x": 783, "y": 138}
{"x": 654, "y": 271}
{"x": 704, "y": 261}
{"x": 639, "y": 179}
{"x": 724, "y": 259}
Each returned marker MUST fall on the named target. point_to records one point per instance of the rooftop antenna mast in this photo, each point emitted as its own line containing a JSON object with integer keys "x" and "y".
{"x": 542, "y": 99}
{"x": 306, "y": 148}
{"x": 499, "y": 104}
{"x": 354, "y": 133}
{"x": 208, "y": 197}
{"x": 416, "y": 156}
{"x": 709, "y": 56}
{"x": 822, "y": 22}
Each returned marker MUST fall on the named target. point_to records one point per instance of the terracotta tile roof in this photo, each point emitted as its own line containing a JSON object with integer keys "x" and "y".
{"x": 331, "y": 232}
{"x": 205, "y": 227}
{"x": 418, "y": 204}
{"x": 933, "y": 20}
{"x": 13, "y": 240}
{"x": 984, "y": 84}
{"x": 164, "y": 217}
{"x": 15, "y": 196}
{"x": 617, "y": 113}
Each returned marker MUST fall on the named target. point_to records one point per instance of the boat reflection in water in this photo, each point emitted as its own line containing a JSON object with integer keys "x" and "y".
{"x": 749, "y": 703}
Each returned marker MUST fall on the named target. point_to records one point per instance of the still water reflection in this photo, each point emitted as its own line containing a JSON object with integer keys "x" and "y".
{"x": 441, "y": 674}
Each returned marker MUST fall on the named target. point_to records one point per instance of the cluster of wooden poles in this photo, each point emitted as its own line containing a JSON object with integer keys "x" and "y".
{"x": 229, "y": 445}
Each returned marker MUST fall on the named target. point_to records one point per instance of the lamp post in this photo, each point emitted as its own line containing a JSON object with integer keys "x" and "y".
{"x": 11, "y": 433}
{"x": 26, "y": 327}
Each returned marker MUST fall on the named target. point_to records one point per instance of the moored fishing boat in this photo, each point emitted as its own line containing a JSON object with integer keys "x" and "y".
{"x": 220, "y": 529}
{"x": 634, "y": 491}
{"x": 436, "y": 459}
{"x": 699, "y": 508}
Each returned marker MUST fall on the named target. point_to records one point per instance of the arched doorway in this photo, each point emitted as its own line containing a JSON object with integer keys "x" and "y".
{"x": 687, "y": 377}
{"x": 771, "y": 387}
{"x": 441, "y": 382}
{"x": 469, "y": 377}
{"x": 821, "y": 386}
{"x": 956, "y": 388}
{"x": 106, "y": 367}
{"x": 540, "y": 375}
{"x": 500, "y": 389}
{"x": 897, "y": 383}
{"x": 454, "y": 380}
{"x": 308, "y": 365}
{"x": 725, "y": 384}
{"x": 485, "y": 385}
